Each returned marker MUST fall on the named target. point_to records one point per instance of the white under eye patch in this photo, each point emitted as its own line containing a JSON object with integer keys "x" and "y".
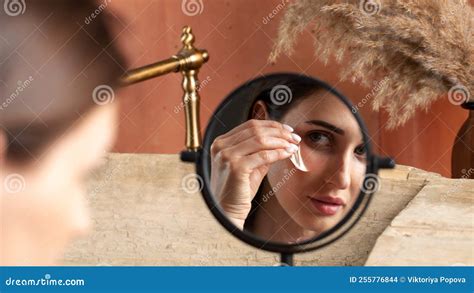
{"x": 297, "y": 160}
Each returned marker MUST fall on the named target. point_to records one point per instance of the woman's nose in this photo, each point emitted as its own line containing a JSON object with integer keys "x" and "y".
{"x": 340, "y": 172}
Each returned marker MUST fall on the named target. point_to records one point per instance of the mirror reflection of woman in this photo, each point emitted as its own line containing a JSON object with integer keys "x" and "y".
{"x": 258, "y": 186}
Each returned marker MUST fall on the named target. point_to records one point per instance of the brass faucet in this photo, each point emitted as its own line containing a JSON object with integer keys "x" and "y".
{"x": 188, "y": 61}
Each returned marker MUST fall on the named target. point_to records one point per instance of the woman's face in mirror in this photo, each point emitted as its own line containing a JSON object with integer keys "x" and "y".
{"x": 43, "y": 202}
{"x": 288, "y": 179}
{"x": 307, "y": 203}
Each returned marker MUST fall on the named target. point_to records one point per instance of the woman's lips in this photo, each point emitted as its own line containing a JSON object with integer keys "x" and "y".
{"x": 327, "y": 205}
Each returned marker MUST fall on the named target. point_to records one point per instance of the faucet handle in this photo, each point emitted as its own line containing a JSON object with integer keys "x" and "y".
{"x": 190, "y": 58}
{"x": 187, "y": 38}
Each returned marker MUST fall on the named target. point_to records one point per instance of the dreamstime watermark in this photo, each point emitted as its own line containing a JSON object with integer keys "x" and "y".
{"x": 370, "y": 7}
{"x": 267, "y": 18}
{"x": 458, "y": 95}
{"x": 99, "y": 10}
{"x": 377, "y": 86}
{"x": 103, "y": 95}
{"x": 192, "y": 183}
{"x": 107, "y": 177}
{"x": 466, "y": 174}
{"x": 192, "y": 7}
{"x": 21, "y": 86}
{"x": 14, "y": 7}
{"x": 44, "y": 281}
{"x": 200, "y": 86}
{"x": 446, "y": 16}
{"x": 14, "y": 183}
{"x": 280, "y": 95}
{"x": 371, "y": 183}
{"x": 279, "y": 184}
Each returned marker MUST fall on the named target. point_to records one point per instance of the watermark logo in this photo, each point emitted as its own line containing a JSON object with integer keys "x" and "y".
{"x": 279, "y": 185}
{"x": 371, "y": 183}
{"x": 14, "y": 183}
{"x": 466, "y": 174}
{"x": 267, "y": 18}
{"x": 199, "y": 87}
{"x": 377, "y": 87}
{"x": 99, "y": 10}
{"x": 370, "y": 7}
{"x": 47, "y": 280}
{"x": 280, "y": 95}
{"x": 107, "y": 177}
{"x": 192, "y": 7}
{"x": 103, "y": 95}
{"x": 21, "y": 86}
{"x": 192, "y": 183}
{"x": 458, "y": 95}
{"x": 14, "y": 7}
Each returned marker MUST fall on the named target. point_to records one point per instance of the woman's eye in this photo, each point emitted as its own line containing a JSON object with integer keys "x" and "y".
{"x": 360, "y": 151}
{"x": 319, "y": 139}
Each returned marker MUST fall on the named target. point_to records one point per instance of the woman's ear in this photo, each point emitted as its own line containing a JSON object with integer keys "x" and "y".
{"x": 260, "y": 111}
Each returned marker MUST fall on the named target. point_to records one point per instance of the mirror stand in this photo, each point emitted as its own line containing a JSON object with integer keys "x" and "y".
{"x": 384, "y": 162}
{"x": 286, "y": 259}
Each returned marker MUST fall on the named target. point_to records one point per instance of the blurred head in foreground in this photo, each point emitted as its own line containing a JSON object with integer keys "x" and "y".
{"x": 58, "y": 72}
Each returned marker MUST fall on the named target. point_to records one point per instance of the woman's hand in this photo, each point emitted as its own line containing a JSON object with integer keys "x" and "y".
{"x": 241, "y": 159}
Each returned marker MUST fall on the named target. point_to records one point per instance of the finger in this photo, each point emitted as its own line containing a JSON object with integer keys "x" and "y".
{"x": 262, "y": 158}
{"x": 260, "y": 132}
{"x": 257, "y": 123}
{"x": 254, "y": 128}
{"x": 257, "y": 144}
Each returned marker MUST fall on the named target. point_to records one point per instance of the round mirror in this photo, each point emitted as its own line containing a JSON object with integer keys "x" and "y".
{"x": 286, "y": 163}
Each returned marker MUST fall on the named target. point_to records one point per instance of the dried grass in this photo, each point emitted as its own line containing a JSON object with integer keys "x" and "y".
{"x": 421, "y": 48}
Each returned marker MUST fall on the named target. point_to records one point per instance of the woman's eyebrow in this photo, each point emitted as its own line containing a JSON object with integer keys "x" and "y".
{"x": 326, "y": 125}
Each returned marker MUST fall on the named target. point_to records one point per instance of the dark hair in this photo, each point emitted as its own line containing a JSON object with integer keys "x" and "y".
{"x": 292, "y": 91}
{"x": 52, "y": 58}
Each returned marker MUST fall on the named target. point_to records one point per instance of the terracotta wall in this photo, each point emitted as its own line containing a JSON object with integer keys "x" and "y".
{"x": 239, "y": 41}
